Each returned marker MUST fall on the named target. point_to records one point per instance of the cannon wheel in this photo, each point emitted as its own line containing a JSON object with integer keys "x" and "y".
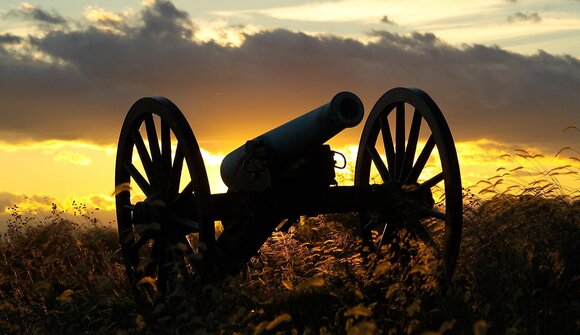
{"x": 397, "y": 158}
{"x": 163, "y": 236}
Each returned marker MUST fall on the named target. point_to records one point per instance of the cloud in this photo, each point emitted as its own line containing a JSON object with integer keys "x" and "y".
{"x": 102, "y": 18}
{"x": 29, "y": 12}
{"x": 387, "y": 20}
{"x": 10, "y": 39}
{"x": 522, "y": 17}
{"x": 232, "y": 93}
{"x": 8, "y": 200}
{"x": 163, "y": 20}
{"x": 99, "y": 15}
{"x": 72, "y": 158}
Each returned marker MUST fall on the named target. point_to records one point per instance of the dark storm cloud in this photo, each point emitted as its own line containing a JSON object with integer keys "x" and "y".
{"x": 36, "y": 14}
{"x": 519, "y": 16}
{"x": 273, "y": 76}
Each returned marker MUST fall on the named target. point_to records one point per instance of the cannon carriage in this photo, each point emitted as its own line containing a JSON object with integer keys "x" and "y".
{"x": 406, "y": 175}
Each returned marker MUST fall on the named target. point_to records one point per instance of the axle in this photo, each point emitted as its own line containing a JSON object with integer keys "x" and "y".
{"x": 383, "y": 199}
{"x": 249, "y": 218}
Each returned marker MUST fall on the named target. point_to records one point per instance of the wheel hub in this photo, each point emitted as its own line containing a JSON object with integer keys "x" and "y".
{"x": 150, "y": 216}
{"x": 412, "y": 201}
{"x": 420, "y": 197}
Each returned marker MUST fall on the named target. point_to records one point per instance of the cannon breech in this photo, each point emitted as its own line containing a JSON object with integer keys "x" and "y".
{"x": 293, "y": 153}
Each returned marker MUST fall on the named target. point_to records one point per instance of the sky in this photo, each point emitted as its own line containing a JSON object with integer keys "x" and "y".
{"x": 506, "y": 74}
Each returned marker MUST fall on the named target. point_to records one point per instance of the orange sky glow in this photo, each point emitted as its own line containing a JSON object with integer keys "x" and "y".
{"x": 506, "y": 75}
{"x": 68, "y": 172}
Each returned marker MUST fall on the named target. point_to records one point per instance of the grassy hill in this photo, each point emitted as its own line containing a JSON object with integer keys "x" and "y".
{"x": 518, "y": 273}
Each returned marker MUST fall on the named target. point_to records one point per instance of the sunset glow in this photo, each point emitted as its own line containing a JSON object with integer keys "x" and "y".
{"x": 505, "y": 74}
{"x": 76, "y": 173}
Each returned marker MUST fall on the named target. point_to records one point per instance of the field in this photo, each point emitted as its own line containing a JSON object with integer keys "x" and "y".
{"x": 518, "y": 273}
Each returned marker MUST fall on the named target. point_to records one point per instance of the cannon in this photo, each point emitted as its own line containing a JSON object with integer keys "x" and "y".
{"x": 406, "y": 176}
{"x": 279, "y": 155}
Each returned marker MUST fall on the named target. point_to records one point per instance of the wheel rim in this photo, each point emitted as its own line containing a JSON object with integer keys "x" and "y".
{"x": 409, "y": 165}
{"x": 161, "y": 191}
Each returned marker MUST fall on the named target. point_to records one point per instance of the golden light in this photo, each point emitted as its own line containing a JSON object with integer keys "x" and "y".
{"x": 69, "y": 173}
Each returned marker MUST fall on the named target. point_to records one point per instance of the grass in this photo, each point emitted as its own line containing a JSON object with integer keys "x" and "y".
{"x": 518, "y": 273}
{"x": 56, "y": 277}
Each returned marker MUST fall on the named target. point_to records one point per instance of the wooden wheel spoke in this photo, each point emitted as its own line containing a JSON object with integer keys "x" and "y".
{"x": 139, "y": 179}
{"x": 153, "y": 260}
{"x": 383, "y": 171}
{"x": 411, "y": 144}
{"x": 188, "y": 224}
{"x": 175, "y": 175}
{"x": 419, "y": 229}
{"x": 152, "y": 138}
{"x": 432, "y": 213}
{"x": 188, "y": 190}
{"x": 132, "y": 257}
{"x": 181, "y": 260}
{"x": 155, "y": 152}
{"x": 176, "y": 261}
{"x": 421, "y": 161}
{"x": 165, "y": 151}
{"x": 388, "y": 144}
{"x": 432, "y": 182}
{"x": 134, "y": 248}
{"x": 143, "y": 154}
{"x": 189, "y": 253}
{"x": 162, "y": 269}
{"x": 400, "y": 140}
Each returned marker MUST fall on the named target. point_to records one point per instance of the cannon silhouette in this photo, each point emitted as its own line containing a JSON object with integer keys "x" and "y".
{"x": 406, "y": 176}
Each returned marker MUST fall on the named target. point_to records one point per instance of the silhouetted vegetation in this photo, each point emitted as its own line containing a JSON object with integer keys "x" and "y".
{"x": 518, "y": 273}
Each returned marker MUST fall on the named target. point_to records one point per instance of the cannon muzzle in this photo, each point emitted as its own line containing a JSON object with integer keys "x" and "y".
{"x": 278, "y": 152}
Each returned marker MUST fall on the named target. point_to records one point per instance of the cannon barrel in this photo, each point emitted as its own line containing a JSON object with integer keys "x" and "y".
{"x": 295, "y": 139}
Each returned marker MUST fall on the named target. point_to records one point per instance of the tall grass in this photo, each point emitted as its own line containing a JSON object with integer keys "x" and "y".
{"x": 518, "y": 273}
{"x": 528, "y": 174}
{"x": 56, "y": 277}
